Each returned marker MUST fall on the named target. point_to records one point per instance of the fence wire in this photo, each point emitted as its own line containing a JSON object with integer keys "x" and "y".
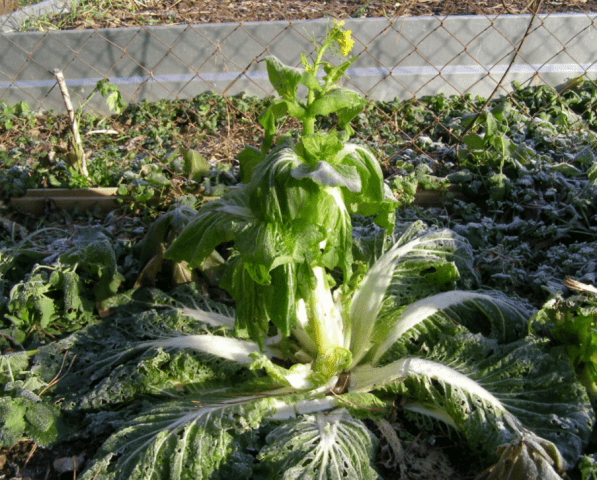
{"x": 164, "y": 56}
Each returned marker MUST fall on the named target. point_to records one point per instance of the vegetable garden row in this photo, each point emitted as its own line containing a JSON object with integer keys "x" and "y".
{"x": 309, "y": 320}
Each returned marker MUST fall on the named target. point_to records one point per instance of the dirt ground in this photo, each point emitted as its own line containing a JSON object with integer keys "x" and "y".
{"x": 126, "y": 13}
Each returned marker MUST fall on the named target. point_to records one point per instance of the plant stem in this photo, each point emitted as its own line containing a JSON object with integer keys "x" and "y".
{"x": 309, "y": 124}
{"x": 78, "y": 145}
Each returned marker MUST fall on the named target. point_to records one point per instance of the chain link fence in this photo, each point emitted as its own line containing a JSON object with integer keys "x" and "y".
{"x": 417, "y": 50}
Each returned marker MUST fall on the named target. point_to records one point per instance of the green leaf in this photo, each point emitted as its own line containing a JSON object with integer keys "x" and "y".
{"x": 335, "y": 73}
{"x": 588, "y": 467}
{"x": 195, "y": 167}
{"x": 283, "y": 78}
{"x": 499, "y": 186}
{"x": 504, "y": 146}
{"x": 502, "y": 110}
{"x": 373, "y": 197}
{"x": 274, "y": 194}
{"x": 310, "y": 81}
{"x": 12, "y": 420}
{"x": 25, "y": 417}
{"x": 342, "y": 100}
{"x": 248, "y": 158}
{"x": 215, "y": 223}
{"x": 567, "y": 170}
{"x": 114, "y": 98}
{"x": 183, "y": 439}
{"x": 162, "y": 230}
{"x": 329, "y": 175}
{"x": 586, "y": 156}
{"x": 29, "y": 303}
{"x": 473, "y": 141}
{"x": 322, "y": 146}
{"x": 76, "y": 305}
{"x": 334, "y": 446}
{"x": 491, "y": 125}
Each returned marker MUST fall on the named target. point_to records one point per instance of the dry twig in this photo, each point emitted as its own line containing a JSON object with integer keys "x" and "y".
{"x": 77, "y": 143}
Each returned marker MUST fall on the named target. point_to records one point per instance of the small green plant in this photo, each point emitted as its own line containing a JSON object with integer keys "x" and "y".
{"x": 18, "y": 114}
{"x": 60, "y": 298}
{"x": 492, "y": 146}
{"x": 573, "y": 323}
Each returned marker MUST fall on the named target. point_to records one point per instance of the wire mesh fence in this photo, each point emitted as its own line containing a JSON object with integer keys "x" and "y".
{"x": 407, "y": 53}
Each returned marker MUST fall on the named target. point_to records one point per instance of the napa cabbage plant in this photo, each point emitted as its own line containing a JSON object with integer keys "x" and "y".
{"x": 319, "y": 341}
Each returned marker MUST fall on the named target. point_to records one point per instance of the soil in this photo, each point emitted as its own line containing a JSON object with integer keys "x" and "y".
{"x": 8, "y": 6}
{"x": 127, "y": 13}
{"x": 26, "y": 460}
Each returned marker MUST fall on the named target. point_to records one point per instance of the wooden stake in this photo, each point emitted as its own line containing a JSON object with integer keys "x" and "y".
{"x": 78, "y": 145}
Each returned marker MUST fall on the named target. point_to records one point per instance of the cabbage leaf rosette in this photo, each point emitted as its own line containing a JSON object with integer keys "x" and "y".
{"x": 320, "y": 338}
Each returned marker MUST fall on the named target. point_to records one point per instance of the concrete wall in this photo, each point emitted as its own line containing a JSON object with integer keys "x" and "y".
{"x": 403, "y": 58}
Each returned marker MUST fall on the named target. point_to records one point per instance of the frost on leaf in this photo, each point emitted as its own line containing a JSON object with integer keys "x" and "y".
{"x": 333, "y": 446}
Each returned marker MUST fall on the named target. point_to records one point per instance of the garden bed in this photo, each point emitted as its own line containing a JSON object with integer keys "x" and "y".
{"x": 524, "y": 230}
{"x": 516, "y": 181}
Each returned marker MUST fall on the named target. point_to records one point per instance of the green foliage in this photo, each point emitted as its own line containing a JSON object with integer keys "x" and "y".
{"x": 492, "y": 147}
{"x": 360, "y": 312}
{"x": 573, "y": 323}
{"x": 333, "y": 446}
{"x": 588, "y": 467}
{"x": 112, "y": 95}
{"x": 26, "y": 417}
{"x": 294, "y": 211}
{"x": 195, "y": 166}
{"x": 55, "y": 299}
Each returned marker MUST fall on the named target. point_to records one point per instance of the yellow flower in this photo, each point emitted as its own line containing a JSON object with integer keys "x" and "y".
{"x": 338, "y": 24}
{"x": 345, "y": 43}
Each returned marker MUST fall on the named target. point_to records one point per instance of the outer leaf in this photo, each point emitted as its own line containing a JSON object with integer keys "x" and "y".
{"x": 111, "y": 365}
{"x": 491, "y": 313}
{"x": 182, "y": 440}
{"x": 525, "y": 458}
{"x": 215, "y": 223}
{"x": 492, "y": 393}
{"x": 333, "y": 446}
{"x": 398, "y": 276}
